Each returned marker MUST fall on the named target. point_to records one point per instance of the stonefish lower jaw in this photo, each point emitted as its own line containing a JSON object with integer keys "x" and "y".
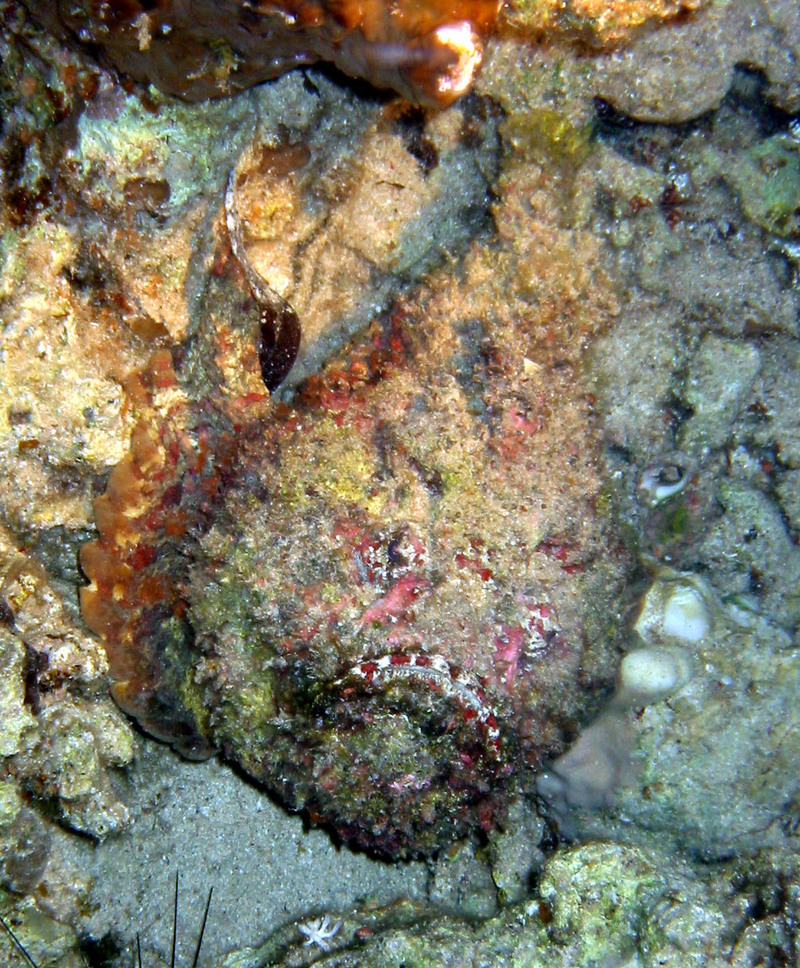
{"x": 388, "y": 601}
{"x": 426, "y": 50}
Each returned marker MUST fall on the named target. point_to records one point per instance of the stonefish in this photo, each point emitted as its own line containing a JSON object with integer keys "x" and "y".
{"x": 389, "y": 600}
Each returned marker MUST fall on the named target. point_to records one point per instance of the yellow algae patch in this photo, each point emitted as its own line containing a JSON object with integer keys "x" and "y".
{"x": 601, "y": 23}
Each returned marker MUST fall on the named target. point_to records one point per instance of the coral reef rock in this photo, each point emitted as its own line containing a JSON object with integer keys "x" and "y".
{"x": 60, "y": 733}
{"x": 595, "y": 904}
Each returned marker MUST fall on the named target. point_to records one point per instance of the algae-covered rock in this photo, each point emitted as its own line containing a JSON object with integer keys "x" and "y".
{"x": 767, "y": 180}
{"x": 767, "y": 560}
{"x": 773, "y": 402}
{"x": 595, "y": 904}
{"x": 515, "y": 853}
{"x": 721, "y": 374}
{"x": 729, "y": 726}
{"x": 48, "y": 943}
{"x": 676, "y": 74}
{"x": 600, "y": 898}
{"x": 60, "y": 735}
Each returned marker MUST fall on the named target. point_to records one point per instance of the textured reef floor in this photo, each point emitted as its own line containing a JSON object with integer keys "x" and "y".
{"x": 575, "y": 297}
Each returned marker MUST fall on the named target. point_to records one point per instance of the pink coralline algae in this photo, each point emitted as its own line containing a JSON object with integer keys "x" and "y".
{"x": 388, "y": 601}
{"x": 426, "y": 50}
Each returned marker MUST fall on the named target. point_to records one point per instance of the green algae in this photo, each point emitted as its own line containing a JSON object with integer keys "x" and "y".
{"x": 345, "y": 470}
{"x": 550, "y": 133}
{"x": 179, "y": 142}
{"x": 601, "y": 897}
{"x": 766, "y": 178}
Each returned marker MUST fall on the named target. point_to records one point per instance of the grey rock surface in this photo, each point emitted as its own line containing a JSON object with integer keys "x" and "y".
{"x": 674, "y": 75}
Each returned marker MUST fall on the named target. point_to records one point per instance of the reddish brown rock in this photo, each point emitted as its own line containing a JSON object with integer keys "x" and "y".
{"x": 426, "y": 50}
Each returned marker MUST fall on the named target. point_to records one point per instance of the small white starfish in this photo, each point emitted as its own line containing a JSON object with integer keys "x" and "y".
{"x": 319, "y": 932}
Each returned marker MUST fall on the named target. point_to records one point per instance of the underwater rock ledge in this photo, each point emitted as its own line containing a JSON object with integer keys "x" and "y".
{"x": 428, "y": 52}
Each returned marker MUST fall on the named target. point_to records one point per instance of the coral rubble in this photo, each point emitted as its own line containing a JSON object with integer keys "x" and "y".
{"x": 592, "y": 904}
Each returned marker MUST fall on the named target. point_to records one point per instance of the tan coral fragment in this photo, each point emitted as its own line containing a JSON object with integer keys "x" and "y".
{"x": 61, "y": 731}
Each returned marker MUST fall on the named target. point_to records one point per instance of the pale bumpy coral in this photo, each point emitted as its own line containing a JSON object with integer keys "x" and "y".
{"x": 59, "y": 732}
{"x": 60, "y": 738}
